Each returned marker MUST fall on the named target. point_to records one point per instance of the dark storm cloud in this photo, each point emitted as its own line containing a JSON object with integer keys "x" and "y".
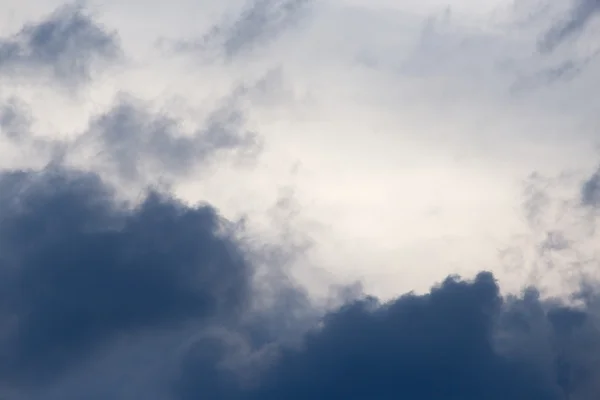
{"x": 560, "y": 341}
{"x": 79, "y": 272}
{"x": 78, "y": 269}
{"x": 581, "y": 14}
{"x": 436, "y": 346}
{"x": 68, "y": 45}
{"x": 460, "y": 341}
{"x": 260, "y": 22}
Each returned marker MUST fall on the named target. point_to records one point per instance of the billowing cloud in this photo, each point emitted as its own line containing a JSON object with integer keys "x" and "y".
{"x": 79, "y": 269}
{"x": 461, "y": 340}
{"x": 68, "y": 45}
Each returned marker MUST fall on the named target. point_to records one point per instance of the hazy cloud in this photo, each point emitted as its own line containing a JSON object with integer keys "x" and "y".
{"x": 590, "y": 190}
{"x": 15, "y": 120}
{"x": 68, "y": 45}
{"x": 135, "y": 142}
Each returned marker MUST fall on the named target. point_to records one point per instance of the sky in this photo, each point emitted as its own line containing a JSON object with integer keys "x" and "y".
{"x": 299, "y": 199}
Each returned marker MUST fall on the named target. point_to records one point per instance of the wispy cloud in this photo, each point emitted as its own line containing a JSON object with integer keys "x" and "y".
{"x": 15, "y": 120}
{"x": 136, "y": 143}
{"x": 259, "y": 23}
{"x": 580, "y": 16}
{"x": 590, "y": 190}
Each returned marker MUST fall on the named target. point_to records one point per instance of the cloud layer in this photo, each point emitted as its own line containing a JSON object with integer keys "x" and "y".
{"x": 81, "y": 270}
{"x": 201, "y": 288}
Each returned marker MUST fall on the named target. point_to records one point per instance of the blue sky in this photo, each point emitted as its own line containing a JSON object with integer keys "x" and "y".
{"x": 232, "y": 199}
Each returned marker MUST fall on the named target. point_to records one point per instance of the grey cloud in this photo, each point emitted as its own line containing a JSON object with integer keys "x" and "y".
{"x": 15, "y": 120}
{"x": 556, "y": 245}
{"x": 79, "y": 269}
{"x": 581, "y": 14}
{"x": 461, "y": 340}
{"x": 590, "y": 190}
{"x": 561, "y": 342}
{"x": 68, "y": 45}
{"x": 136, "y": 142}
{"x": 562, "y": 72}
{"x": 558, "y": 64}
{"x": 260, "y": 22}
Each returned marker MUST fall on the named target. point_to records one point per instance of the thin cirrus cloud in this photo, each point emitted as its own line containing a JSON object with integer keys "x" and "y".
{"x": 168, "y": 298}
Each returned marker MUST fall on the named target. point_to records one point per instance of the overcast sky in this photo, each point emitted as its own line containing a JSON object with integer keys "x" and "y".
{"x": 240, "y": 169}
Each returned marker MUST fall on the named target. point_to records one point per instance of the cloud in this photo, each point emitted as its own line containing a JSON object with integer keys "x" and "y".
{"x": 15, "y": 121}
{"x": 259, "y": 23}
{"x": 162, "y": 300}
{"x": 580, "y": 16}
{"x": 136, "y": 143}
{"x": 68, "y": 45}
{"x": 79, "y": 269}
{"x": 461, "y": 340}
{"x": 590, "y": 190}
